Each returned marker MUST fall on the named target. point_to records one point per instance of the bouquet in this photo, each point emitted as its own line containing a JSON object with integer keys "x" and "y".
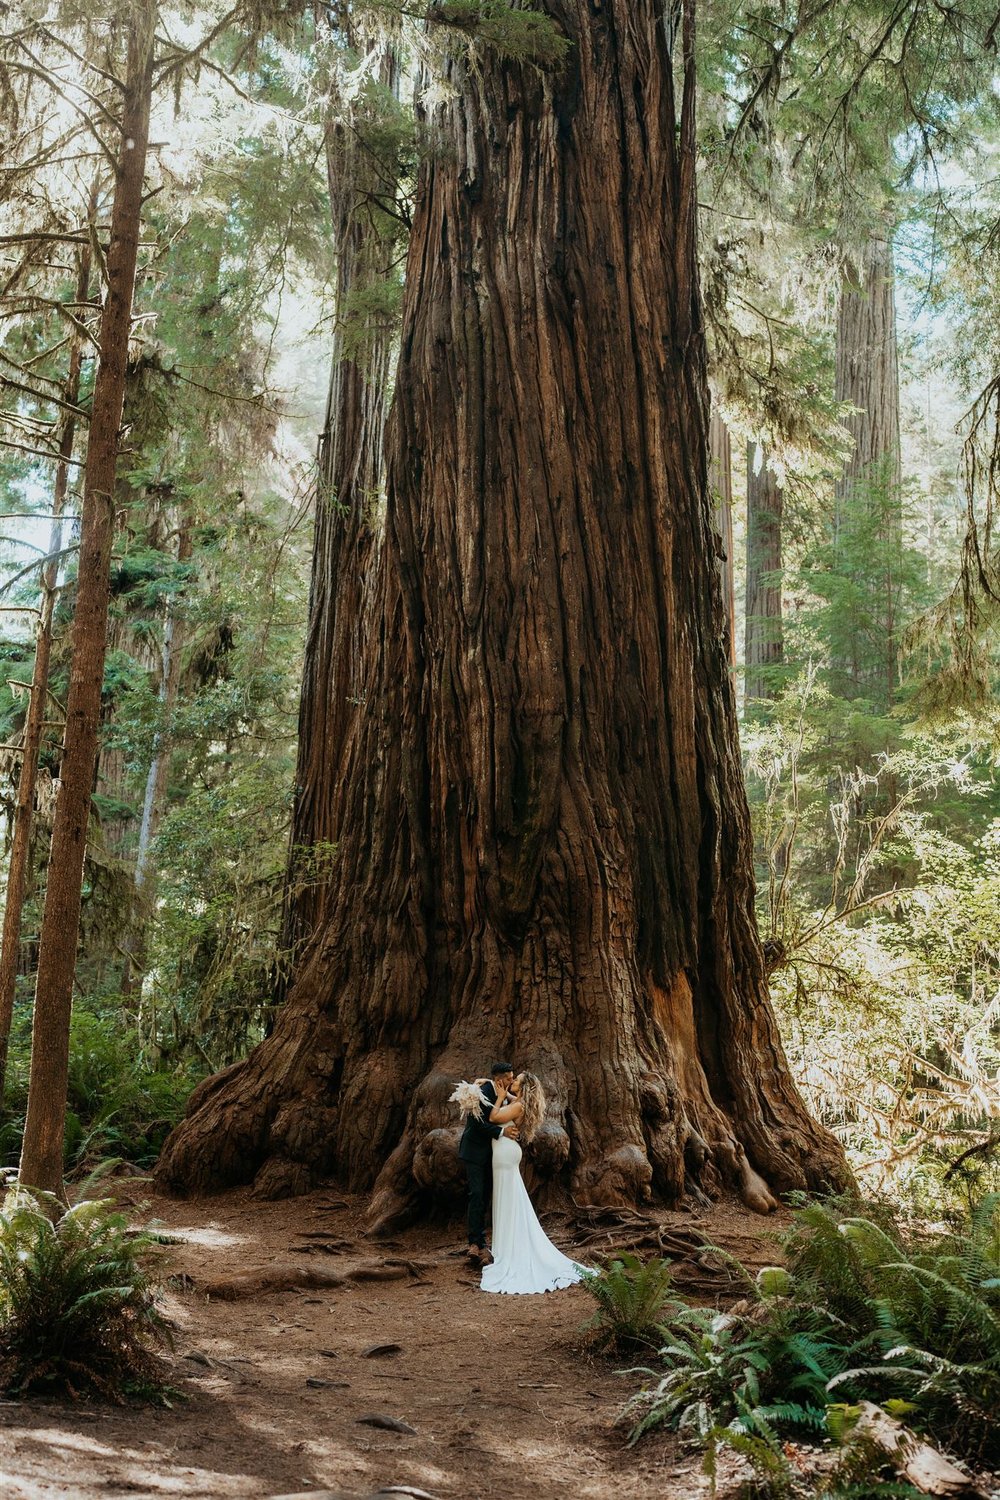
{"x": 470, "y": 1098}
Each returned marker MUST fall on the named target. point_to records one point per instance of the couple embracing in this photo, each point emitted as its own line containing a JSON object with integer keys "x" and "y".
{"x": 502, "y": 1111}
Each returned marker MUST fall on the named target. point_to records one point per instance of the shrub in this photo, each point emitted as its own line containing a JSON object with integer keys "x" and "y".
{"x": 750, "y": 1371}
{"x": 77, "y": 1311}
{"x": 631, "y": 1295}
{"x": 864, "y": 1309}
{"x": 117, "y": 1105}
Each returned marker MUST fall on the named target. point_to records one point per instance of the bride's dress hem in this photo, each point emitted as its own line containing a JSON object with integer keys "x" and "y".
{"x": 535, "y": 1291}
{"x": 525, "y": 1261}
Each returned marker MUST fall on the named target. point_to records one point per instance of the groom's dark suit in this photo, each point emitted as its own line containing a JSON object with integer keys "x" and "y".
{"x": 476, "y": 1151}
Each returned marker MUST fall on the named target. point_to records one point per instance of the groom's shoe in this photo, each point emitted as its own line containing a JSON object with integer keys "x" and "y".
{"x": 475, "y": 1254}
{"x": 485, "y": 1258}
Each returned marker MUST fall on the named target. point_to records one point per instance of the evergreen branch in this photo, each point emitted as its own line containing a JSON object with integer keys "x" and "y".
{"x": 50, "y": 456}
{"x": 38, "y": 562}
{"x": 27, "y": 390}
{"x": 184, "y": 57}
{"x": 44, "y": 236}
{"x": 41, "y": 72}
{"x": 257, "y": 400}
{"x": 80, "y": 57}
{"x": 63, "y": 308}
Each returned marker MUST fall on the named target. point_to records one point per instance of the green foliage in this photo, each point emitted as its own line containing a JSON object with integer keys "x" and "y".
{"x": 631, "y": 1295}
{"x": 520, "y": 35}
{"x": 928, "y": 1307}
{"x": 748, "y": 1372}
{"x": 121, "y": 1103}
{"x": 77, "y": 1308}
{"x": 863, "y": 1307}
{"x": 879, "y": 895}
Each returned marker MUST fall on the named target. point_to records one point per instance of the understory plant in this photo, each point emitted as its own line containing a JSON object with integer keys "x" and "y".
{"x": 77, "y": 1304}
{"x": 120, "y": 1103}
{"x": 864, "y": 1308}
{"x": 631, "y": 1296}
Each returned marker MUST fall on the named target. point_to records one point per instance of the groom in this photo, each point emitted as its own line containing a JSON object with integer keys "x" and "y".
{"x": 476, "y": 1151}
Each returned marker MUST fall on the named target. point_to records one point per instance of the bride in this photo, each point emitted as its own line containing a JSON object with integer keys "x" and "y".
{"x": 524, "y": 1258}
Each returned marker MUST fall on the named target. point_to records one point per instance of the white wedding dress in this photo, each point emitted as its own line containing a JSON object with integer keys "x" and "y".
{"x": 524, "y": 1258}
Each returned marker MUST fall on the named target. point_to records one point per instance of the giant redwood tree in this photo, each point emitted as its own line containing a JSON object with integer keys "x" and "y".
{"x": 544, "y": 850}
{"x": 351, "y": 483}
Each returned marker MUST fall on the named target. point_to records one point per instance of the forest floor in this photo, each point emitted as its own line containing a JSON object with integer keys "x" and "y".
{"x": 275, "y": 1377}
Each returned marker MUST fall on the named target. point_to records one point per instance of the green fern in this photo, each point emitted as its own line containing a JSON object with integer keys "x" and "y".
{"x": 76, "y": 1304}
{"x": 630, "y": 1295}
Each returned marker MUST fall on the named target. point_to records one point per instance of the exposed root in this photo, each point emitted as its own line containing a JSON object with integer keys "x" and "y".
{"x": 289, "y": 1278}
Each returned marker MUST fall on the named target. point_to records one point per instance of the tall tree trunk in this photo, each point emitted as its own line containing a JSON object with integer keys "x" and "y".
{"x": 42, "y": 1150}
{"x": 20, "y": 850}
{"x": 545, "y": 849}
{"x": 155, "y": 793}
{"x": 764, "y": 634}
{"x": 349, "y": 501}
{"x": 869, "y": 493}
{"x": 720, "y": 478}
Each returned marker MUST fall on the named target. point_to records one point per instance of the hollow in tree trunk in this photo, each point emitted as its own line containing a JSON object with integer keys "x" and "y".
{"x": 42, "y": 1149}
{"x": 764, "y": 636}
{"x": 545, "y": 850}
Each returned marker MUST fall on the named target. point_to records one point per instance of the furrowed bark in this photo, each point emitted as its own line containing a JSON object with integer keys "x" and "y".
{"x": 720, "y": 477}
{"x": 42, "y": 1150}
{"x": 349, "y": 501}
{"x": 544, "y": 849}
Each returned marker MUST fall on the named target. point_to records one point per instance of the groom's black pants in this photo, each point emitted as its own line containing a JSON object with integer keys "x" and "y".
{"x": 478, "y": 1174}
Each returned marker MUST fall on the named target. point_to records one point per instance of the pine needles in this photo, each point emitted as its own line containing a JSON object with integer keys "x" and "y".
{"x": 77, "y": 1311}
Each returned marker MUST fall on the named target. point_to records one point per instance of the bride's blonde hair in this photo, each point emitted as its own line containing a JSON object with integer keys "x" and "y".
{"x": 533, "y": 1104}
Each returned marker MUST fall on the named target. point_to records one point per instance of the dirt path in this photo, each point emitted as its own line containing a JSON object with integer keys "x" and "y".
{"x": 496, "y": 1389}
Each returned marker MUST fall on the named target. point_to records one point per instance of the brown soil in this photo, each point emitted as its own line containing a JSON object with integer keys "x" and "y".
{"x": 276, "y": 1379}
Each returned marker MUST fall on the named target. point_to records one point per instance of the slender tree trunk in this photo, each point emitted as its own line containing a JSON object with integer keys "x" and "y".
{"x": 545, "y": 849}
{"x": 868, "y": 495}
{"x": 157, "y": 777}
{"x": 42, "y": 1151}
{"x": 764, "y": 635}
{"x": 720, "y": 478}
{"x": 17, "y": 873}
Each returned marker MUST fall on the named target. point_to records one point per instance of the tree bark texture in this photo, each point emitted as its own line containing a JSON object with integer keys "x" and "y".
{"x": 870, "y": 489}
{"x": 720, "y": 478}
{"x": 20, "y": 848}
{"x": 544, "y": 851}
{"x": 42, "y": 1150}
{"x": 349, "y": 502}
{"x": 764, "y": 640}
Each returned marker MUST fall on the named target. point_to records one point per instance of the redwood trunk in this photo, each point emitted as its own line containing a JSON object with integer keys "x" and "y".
{"x": 869, "y": 492}
{"x": 20, "y": 849}
{"x": 42, "y": 1150}
{"x": 545, "y": 850}
{"x": 349, "y": 502}
{"x": 764, "y": 636}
